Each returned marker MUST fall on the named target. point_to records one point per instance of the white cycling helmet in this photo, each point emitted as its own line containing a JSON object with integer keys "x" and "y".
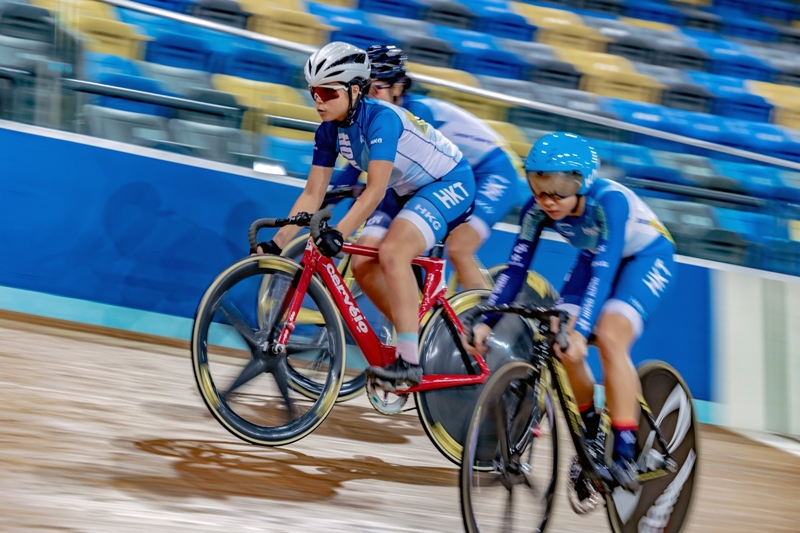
{"x": 338, "y": 63}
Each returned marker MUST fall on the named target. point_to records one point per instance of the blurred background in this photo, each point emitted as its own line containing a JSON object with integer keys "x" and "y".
{"x": 139, "y": 140}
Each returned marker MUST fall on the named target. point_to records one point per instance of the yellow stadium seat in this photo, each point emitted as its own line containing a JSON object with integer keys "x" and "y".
{"x": 71, "y": 11}
{"x": 290, "y": 25}
{"x": 610, "y": 75}
{"x": 280, "y": 109}
{"x": 794, "y": 230}
{"x": 562, "y": 28}
{"x": 479, "y": 106}
{"x": 785, "y": 98}
{"x": 649, "y": 24}
{"x": 513, "y": 135}
{"x": 259, "y": 7}
{"x": 256, "y": 94}
{"x": 112, "y": 37}
{"x": 773, "y": 92}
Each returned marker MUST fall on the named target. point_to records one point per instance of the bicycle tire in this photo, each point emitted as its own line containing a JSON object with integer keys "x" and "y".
{"x": 662, "y": 504}
{"x": 204, "y": 321}
{"x": 445, "y": 413}
{"x": 353, "y": 385}
{"x": 514, "y": 386}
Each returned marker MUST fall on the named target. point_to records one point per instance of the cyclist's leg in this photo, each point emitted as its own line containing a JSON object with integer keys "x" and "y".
{"x": 497, "y": 192}
{"x": 367, "y": 271}
{"x": 424, "y": 220}
{"x": 579, "y": 373}
{"x": 641, "y": 283}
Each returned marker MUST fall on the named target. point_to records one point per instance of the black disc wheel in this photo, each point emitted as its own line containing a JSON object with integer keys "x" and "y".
{"x": 662, "y": 503}
{"x": 510, "y": 463}
{"x": 246, "y": 385}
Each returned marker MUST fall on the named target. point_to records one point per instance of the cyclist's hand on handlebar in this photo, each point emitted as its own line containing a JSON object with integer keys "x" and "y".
{"x": 269, "y": 247}
{"x": 578, "y": 345}
{"x": 480, "y": 333}
{"x": 330, "y": 242}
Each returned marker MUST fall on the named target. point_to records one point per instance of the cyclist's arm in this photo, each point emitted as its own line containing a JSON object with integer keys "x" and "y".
{"x": 309, "y": 201}
{"x": 511, "y": 279}
{"x": 346, "y": 176}
{"x": 614, "y": 209}
{"x": 378, "y": 173}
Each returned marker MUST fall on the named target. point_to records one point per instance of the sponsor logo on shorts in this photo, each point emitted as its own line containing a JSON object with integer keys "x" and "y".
{"x": 429, "y": 217}
{"x": 657, "y": 279}
{"x": 452, "y": 195}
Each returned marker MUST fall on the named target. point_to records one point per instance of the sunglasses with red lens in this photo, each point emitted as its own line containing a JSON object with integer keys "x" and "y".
{"x": 324, "y": 93}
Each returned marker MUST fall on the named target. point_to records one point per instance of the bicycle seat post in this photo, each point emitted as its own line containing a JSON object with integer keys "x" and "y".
{"x": 437, "y": 252}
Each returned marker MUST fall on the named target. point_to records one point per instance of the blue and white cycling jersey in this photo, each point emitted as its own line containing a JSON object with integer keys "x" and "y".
{"x": 385, "y": 132}
{"x": 626, "y": 254}
{"x": 473, "y": 137}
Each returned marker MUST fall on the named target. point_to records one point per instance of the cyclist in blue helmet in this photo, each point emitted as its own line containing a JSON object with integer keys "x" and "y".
{"x": 497, "y": 169}
{"x": 624, "y": 268}
{"x": 420, "y": 177}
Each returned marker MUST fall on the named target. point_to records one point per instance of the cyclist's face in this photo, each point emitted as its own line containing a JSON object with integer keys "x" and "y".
{"x": 331, "y": 101}
{"x": 554, "y": 192}
{"x": 385, "y": 91}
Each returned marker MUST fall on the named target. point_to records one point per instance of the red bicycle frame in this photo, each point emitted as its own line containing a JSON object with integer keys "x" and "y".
{"x": 377, "y": 353}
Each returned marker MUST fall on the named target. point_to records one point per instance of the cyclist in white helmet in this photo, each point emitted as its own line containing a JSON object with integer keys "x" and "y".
{"x": 418, "y": 183}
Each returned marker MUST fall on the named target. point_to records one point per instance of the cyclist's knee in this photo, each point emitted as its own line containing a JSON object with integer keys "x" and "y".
{"x": 462, "y": 244}
{"x": 613, "y": 335}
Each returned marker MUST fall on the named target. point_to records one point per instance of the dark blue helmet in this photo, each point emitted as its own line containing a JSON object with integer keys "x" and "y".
{"x": 388, "y": 63}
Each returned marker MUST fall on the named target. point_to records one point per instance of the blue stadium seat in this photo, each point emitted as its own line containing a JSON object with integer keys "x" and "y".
{"x": 295, "y": 155}
{"x": 766, "y": 139}
{"x": 753, "y": 30}
{"x": 336, "y": 15}
{"x": 776, "y": 10}
{"x": 97, "y": 64}
{"x": 653, "y": 11}
{"x": 137, "y": 83}
{"x": 732, "y": 99}
{"x": 642, "y": 114}
{"x": 151, "y": 25}
{"x": 479, "y": 53}
{"x": 729, "y": 58}
{"x": 407, "y": 9}
{"x": 361, "y": 35}
{"x": 753, "y": 227}
{"x": 760, "y": 181}
{"x": 257, "y": 65}
{"x": 178, "y": 50}
{"x": 494, "y": 17}
{"x": 791, "y": 183}
{"x": 636, "y": 161}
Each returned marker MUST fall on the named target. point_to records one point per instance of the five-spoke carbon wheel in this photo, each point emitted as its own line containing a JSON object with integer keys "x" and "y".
{"x": 246, "y": 385}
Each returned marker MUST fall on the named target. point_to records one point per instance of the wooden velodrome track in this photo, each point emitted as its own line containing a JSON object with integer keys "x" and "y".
{"x": 105, "y": 434}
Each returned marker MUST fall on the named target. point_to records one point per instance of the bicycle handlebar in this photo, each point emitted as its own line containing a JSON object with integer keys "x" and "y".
{"x": 304, "y": 219}
{"x": 317, "y": 221}
{"x": 541, "y": 314}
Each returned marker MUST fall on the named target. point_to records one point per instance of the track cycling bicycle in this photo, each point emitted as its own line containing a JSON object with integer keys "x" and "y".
{"x": 293, "y": 330}
{"x": 504, "y": 489}
{"x": 537, "y": 291}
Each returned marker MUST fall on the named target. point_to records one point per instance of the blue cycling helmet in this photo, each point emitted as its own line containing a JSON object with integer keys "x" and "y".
{"x": 388, "y": 63}
{"x": 564, "y": 152}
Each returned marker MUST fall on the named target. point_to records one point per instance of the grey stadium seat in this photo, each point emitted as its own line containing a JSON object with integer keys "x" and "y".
{"x": 125, "y": 126}
{"x": 227, "y": 145}
{"x": 176, "y": 80}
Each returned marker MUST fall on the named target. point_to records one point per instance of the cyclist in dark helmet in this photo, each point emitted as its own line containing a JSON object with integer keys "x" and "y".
{"x": 497, "y": 169}
{"x": 623, "y": 271}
